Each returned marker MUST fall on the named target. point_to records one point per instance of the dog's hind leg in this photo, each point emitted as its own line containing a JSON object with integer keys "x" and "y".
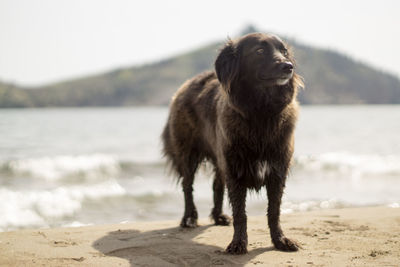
{"x": 219, "y": 190}
{"x": 188, "y": 171}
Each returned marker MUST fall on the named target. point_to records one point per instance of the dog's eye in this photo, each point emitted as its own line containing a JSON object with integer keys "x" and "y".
{"x": 285, "y": 52}
{"x": 260, "y": 51}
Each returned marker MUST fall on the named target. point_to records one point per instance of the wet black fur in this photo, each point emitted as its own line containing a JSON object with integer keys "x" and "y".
{"x": 241, "y": 121}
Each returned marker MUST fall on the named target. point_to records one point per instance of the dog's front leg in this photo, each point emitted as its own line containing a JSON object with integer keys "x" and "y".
{"x": 275, "y": 186}
{"x": 237, "y": 198}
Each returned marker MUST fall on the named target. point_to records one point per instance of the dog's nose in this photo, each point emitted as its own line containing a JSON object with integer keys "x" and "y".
{"x": 286, "y": 67}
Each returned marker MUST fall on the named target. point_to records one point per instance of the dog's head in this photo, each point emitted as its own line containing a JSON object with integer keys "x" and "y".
{"x": 260, "y": 65}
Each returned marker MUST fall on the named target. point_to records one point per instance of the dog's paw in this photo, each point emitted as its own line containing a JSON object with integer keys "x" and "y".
{"x": 237, "y": 247}
{"x": 285, "y": 244}
{"x": 222, "y": 219}
{"x": 189, "y": 222}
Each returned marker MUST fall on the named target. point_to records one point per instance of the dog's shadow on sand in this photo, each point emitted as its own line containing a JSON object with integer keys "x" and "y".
{"x": 169, "y": 247}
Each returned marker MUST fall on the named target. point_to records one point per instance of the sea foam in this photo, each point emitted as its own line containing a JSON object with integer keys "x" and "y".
{"x": 350, "y": 163}
{"x": 64, "y": 166}
{"x": 37, "y": 208}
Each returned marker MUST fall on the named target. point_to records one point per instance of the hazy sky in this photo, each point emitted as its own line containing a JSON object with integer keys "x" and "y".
{"x": 43, "y": 41}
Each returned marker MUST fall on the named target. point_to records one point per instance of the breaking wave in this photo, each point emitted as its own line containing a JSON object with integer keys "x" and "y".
{"x": 39, "y": 207}
{"x": 358, "y": 165}
{"x": 64, "y": 188}
{"x": 89, "y": 167}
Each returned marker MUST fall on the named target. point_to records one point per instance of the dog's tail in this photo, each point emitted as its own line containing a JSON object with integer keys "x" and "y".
{"x": 168, "y": 153}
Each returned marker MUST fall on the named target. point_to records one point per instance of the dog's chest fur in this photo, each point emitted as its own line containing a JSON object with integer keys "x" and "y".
{"x": 256, "y": 174}
{"x": 260, "y": 145}
{"x": 263, "y": 170}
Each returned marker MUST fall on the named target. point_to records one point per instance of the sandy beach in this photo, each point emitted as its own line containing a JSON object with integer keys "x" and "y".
{"x": 337, "y": 237}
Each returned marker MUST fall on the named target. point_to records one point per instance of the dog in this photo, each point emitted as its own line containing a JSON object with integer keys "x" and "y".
{"x": 241, "y": 118}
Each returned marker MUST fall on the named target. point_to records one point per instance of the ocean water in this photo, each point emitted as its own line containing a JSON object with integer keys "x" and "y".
{"x": 83, "y": 166}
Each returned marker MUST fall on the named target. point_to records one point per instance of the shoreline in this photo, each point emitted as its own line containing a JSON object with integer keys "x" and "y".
{"x": 330, "y": 237}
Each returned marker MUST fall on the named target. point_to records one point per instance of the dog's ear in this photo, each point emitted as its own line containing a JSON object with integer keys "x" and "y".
{"x": 227, "y": 65}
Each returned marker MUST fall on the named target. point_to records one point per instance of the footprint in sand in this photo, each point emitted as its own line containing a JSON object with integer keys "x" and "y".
{"x": 62, "y": 243}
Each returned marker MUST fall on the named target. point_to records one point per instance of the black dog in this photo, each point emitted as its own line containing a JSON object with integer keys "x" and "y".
{"x": 241, "y": 118}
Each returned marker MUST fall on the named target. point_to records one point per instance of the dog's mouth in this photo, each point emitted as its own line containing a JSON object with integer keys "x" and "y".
{"x": 282, "y": 81}
{"x": 279, "y": 80}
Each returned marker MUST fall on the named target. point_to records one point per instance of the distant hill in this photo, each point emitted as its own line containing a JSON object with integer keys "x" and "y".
{"x": 13, "y": 97}
{"x": 330, "y": 78}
